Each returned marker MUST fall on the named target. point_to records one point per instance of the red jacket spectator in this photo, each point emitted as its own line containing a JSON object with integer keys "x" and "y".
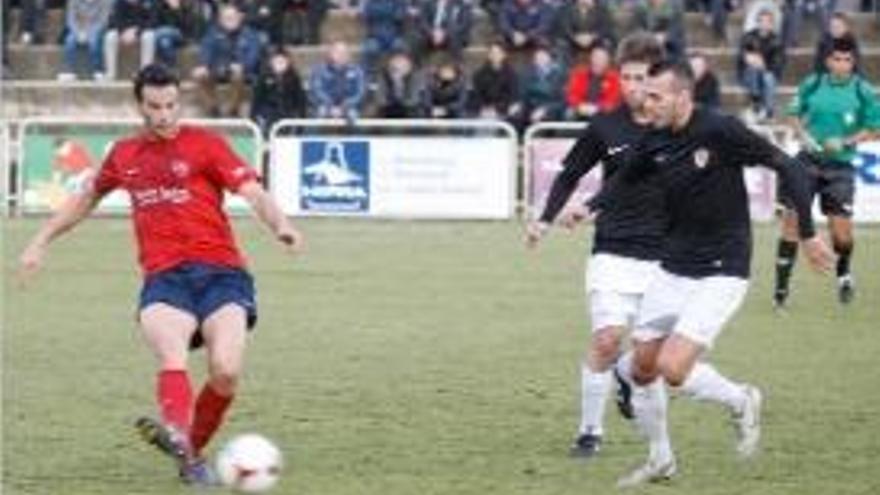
{"x": 604, "y": 96}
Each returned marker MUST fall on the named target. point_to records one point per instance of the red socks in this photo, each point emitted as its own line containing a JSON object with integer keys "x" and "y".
{"x": 174, "y": 394}
{"x": 210, "y": 408}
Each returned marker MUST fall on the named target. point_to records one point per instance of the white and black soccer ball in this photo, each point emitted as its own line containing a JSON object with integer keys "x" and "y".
{"x": 249, "y": 463}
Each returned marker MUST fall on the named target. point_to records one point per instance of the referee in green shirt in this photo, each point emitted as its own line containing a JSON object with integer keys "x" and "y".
{"x": 831, "y": 113}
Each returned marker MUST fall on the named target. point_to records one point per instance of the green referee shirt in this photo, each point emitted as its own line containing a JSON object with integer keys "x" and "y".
{"x": 836, "y": 109}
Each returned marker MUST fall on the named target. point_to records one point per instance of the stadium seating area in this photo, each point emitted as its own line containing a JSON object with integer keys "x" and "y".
{"x": 31, "y": 87}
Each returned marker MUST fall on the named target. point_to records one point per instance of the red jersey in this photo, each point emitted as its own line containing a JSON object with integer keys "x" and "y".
{"x": 176, "y": 187}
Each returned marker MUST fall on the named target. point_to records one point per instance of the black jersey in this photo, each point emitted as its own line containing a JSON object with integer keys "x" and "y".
{"x": 701, "y": 169}
{"x": 634, "y": 222}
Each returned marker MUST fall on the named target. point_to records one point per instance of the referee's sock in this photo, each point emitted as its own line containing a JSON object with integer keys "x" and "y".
{"x": 844, "y": 254}
{"x": 786, "y": 255}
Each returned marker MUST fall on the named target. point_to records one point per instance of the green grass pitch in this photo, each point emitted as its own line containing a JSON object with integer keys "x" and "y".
{"x": 402, "y": 358}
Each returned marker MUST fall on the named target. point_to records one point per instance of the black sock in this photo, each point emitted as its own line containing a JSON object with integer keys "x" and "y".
{"x": 844, "y": 254}
{"x": 786, "y": 254}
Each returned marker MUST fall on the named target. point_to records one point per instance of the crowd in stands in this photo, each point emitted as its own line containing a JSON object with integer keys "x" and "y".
{"x": 548, "y": 60}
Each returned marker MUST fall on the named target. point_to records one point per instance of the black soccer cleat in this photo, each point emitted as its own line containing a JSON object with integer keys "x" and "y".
{"x": 198, "y": 473}
{"x": 846, "y": 290}
{"x": 167, "y": 439}
{"x": 586, "y": 445}
{"x": 623, "y": 399}
{"x": 780, "y": 299}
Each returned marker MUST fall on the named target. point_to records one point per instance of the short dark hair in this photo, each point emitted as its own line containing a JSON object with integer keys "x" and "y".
{"x": 154, "y": 75}
{"x": 845, "y": 44}
{"x": 681, "y": 71}
{"x": 639, "y": 47}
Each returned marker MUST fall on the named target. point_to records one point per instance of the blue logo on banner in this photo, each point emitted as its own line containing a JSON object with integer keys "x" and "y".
{"x": 335, "y": 176}
{"x": 867, "y": 166}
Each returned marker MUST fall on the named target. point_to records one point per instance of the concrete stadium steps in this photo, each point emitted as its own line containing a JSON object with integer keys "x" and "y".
{"x": 344, "y": 24}
{"x": 87, "y": 98}
{"x": 43, "y": 62}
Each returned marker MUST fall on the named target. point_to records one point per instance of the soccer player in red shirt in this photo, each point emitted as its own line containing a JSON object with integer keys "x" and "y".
{"x": 196, "y": 289}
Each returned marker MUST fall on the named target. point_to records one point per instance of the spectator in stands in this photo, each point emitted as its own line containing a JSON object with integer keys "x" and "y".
{"x": 278, "y": 92}
{"x": 525, "y": 24}
{"x": 402, "y": 89}
{"x": 838, "y": 27}
{"x": 542, "y": 92}
{"x": 266, "y": 17}
{"x": 229, "y": 54}
{"x": 492, "y": 8}
{"x": 447, "y": 91}
{"x": 385, "y": 26}
{"x": 306, "y": 20}
{"x": 582, "y": 23}
{"x": 665, "y": 19}
{"x": 759, "y": 66}
{"x": 131, "y": 23}
{"x": 33, "y": 15}
{"x": 444, "y": 25}
{"x": 337, "y": 86}
{"x": 595, "y": 86}
{"x": 177, "y": 21}
{"x": 85, "y": 24}
{"x": 707, "y": 90}
{"x": 495, "y": 89}
{"x": 794, "y": 12}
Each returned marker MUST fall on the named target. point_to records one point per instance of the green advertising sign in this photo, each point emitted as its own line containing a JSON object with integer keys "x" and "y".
{"x": 57, "y": 156}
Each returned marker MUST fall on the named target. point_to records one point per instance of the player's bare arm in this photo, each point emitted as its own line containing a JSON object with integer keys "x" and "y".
{"x": 270, "y": 214}
{"x": 75, "y": 208}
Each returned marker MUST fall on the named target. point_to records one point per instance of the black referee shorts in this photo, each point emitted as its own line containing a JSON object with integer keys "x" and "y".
{"x": 833, "y": 181}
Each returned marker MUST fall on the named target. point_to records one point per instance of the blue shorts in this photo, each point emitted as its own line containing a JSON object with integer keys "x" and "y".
{"x": 201, "y": 289}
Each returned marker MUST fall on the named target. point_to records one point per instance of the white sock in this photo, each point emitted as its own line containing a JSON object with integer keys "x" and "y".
{"x": 705, "y": 383}
{"x": 649, "y": 405}
{"x": 594, "y": 395}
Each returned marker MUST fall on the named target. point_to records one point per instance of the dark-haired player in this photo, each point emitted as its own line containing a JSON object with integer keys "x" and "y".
{"x": 833, "y": 112}
{"x": 698, "y": 156}
{"x": 628, "y": 236}
{"x": 196, "y": 290}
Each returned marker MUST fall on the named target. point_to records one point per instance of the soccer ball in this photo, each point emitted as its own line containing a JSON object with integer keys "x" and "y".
{"x": 249, "y": 464}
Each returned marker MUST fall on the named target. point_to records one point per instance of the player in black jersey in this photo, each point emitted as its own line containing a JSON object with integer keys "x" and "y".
{"x": 628, "y": 236}
{"x": 699, "y": 155}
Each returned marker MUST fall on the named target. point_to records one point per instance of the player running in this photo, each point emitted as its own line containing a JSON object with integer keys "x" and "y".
{"x": 699, "y": 156}
{"x": 196, "y": 290}
{"x": 628, "y": 237}
{"x": 832, "y": 113}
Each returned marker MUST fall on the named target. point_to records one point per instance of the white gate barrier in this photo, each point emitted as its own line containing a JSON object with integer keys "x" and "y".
{"x": 55, "y": 154}
{"x": 444, "y": 169}
{"x": 547, "y": 144}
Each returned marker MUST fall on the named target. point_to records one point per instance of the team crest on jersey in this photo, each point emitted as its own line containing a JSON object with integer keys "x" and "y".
{"x": 180, "y": 168}
{"x": 701, "y": 157}
{"x": 849, "y": 118}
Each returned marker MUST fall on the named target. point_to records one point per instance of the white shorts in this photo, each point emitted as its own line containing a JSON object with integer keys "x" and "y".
{"x": 615, "y": 285}
{"x": 697, "y": 308}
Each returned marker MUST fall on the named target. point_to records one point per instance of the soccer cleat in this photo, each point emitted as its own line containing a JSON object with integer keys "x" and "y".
{"x": 586, "y": 445}
{"x": 199, "y": 473}
{"x": 167, "y": 439}
{"x": 623, "y": 398}
{"x": 748, "y": 423}
{"x": 653, "y": 471}
{"x": 780, "y": 299}
{"x": 846, "y": 289}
